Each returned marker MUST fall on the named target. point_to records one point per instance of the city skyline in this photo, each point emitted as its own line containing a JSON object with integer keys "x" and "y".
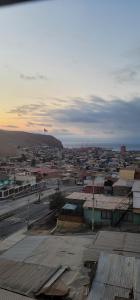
{"x": 71, "y": 67}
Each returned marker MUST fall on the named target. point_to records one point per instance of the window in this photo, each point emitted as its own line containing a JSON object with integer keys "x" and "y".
{"x": 106, "y": 214}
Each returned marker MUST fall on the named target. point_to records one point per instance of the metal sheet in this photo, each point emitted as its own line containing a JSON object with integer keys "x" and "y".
{"x": 114, "y": 277}
{"x": 6, "y": 295}
{"x": 24, "y": 248}
{"x": 100, "y": 291}
{"x": 115, "y": 270}
{"x": 22, "y": 278}
{"x": 124, "y": 243}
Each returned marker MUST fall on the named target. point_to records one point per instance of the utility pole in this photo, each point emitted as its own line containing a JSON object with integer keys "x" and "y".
{"x": 28, "y": 214}
{"x": 93, "y": 210}
{"x": 58, "y": 185}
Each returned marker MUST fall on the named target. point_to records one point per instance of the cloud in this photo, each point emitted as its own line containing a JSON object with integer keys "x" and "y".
{"x": 30, "y": 124}
{"x": 91, "y": 116}
{"x": 118, "y": 116}
{"x": 33, "y": 77}
{"x": 11, "y": 126}
{"x": 62, "y": 132}
{"x": 127, "y": 74}
{"x": 28, "y": 109}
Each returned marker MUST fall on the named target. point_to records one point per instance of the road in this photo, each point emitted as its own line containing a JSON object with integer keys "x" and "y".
{"x": 18, "y": 220}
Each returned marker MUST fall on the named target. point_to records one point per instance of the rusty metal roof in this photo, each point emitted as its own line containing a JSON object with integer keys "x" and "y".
{"x": 116, "y": 275}
{"x": 24, "y": 278}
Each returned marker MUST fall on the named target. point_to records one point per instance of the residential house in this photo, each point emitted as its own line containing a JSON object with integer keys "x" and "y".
{"x": 105, "y": 210}
{"x": 99, "y": 184}
{"x": 122, "y": 187}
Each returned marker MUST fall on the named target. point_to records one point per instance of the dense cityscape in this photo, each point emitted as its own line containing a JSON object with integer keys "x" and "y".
{"x": 63, "y": 200}
{"x": 69, "y": 150}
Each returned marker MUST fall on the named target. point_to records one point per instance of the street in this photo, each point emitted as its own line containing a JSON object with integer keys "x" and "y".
{"x": 19, "y": 220}
{"x": 19, "y": 209}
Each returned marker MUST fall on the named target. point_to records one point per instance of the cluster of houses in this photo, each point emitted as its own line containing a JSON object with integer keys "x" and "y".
{"x": 105, "y": 202}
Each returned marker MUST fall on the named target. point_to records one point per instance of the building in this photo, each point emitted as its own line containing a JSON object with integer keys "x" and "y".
{"x": 4, "y": 180}
{"x": 99, "y": 209}
{"x": 127, "y": 174}
{"x": 116, "y": 277}
{"x": 105, "y": 210}
{"x": 123, "y": 150}
{"x": 122, "y": 187}
{"x": 99, "y": 184}
{"x": 25, "y": 178}
{"x": 88, "y": 189}
{"x": 46, "y": 267}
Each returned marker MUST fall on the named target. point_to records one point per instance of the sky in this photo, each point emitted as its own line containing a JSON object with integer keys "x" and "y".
{"x": 72, "y": 67}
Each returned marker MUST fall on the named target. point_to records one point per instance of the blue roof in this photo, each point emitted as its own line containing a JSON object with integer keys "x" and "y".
{"x": 70, "y": 206}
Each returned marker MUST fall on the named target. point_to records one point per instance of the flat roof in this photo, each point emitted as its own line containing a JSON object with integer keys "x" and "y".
{"x": 5, "y": 295}
{"x": 107, "y": 202}
{"x": 124, "y": 243}
{"x": 80, "y": 196}
{"x": 127, "y": 174}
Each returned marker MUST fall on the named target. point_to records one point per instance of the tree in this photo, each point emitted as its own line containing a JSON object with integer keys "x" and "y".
{"x": 57, "y": 200}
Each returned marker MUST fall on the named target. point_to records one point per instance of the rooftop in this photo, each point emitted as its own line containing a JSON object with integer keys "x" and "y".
{"x": 127, "y": 174}
{"x": 80, "y": 196}
{"x": 50, "y": 252}
{"x": 124, "y": 243}
{"x": 107, "y": 202}
{"x": 116, "y": 276}
{"x": 69, "y": 206}
{"x": 5, "y": 295}
{"x": 124, "y": 183}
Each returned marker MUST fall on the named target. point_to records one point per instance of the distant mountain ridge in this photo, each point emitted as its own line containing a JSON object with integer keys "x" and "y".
{"x": 10, "y": 140}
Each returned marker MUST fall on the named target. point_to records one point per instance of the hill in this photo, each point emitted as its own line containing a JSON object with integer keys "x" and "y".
{"x": 10, "y": 140}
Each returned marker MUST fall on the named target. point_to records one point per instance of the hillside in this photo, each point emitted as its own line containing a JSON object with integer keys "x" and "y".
{"x": 10, "y": 140}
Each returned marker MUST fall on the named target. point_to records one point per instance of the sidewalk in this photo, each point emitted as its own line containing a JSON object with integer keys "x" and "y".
{"x": 12, "y": 239}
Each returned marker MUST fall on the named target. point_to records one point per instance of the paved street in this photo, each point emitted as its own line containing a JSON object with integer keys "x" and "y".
{"x": 19, "y": 220}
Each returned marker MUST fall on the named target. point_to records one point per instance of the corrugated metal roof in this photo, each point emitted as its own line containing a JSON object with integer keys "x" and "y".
{"x": 24, "y": 248}
{"x": 116, "y": 275}
{"x": 107, "y": 202}
{"x": 23, "y": 278}
{"x": 99, "y": 291}
{"x": 124, "y": 243}
{"x": 6, "y": 295}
